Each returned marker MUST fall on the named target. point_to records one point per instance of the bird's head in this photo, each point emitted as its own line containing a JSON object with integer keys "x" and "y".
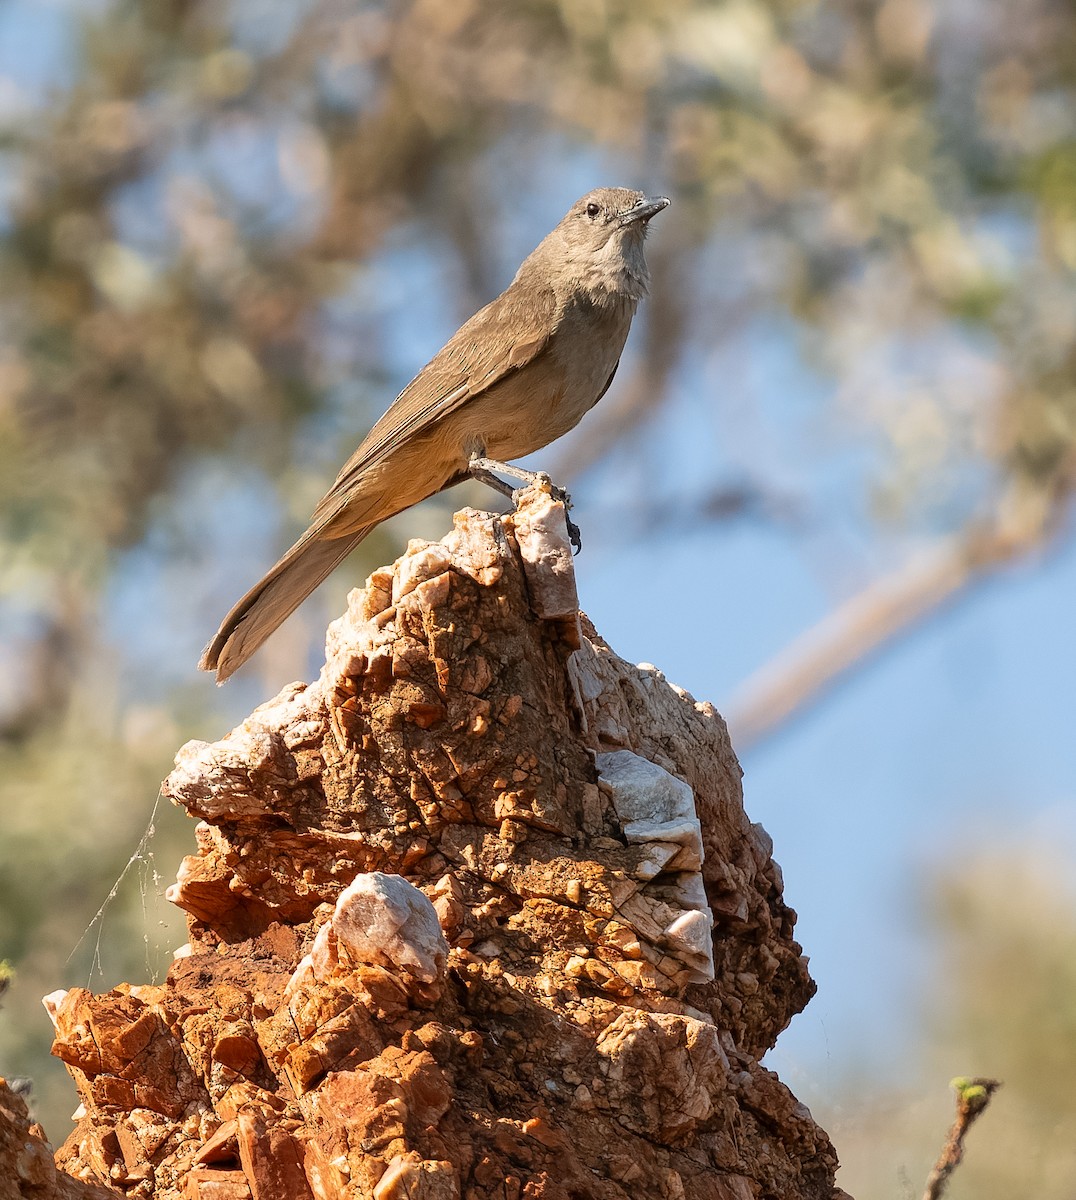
{"x": 600, "y": 241}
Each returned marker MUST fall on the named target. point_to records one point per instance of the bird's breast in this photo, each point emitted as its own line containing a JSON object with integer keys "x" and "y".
{"x": 587, "y": 346}
{"x": 548, "y": 397}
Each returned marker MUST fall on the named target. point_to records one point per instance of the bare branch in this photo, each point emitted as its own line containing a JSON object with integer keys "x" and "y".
{"x": 816, "y": 661}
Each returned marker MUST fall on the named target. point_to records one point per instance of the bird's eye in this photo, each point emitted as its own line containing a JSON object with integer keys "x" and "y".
{"x": 593, "y": 209}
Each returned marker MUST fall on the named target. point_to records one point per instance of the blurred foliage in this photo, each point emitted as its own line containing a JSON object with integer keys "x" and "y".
{"x": 897, "y": 177}
{"x": 1000, "y": 1004}
{"x": 219, "y": 234}
{"x": 1008, "y": 1004}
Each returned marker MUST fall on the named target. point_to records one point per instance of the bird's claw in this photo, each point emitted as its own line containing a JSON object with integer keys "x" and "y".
{"x": 573, "y": 533}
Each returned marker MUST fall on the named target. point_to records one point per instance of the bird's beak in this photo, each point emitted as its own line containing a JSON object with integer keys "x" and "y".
{"x": 644, "y": 210}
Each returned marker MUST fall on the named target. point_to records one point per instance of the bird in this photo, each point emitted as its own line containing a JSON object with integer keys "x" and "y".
{"x": 521, "y": 372}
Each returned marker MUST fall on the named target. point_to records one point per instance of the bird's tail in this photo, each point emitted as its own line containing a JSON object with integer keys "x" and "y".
{"x": 274, "y": 598}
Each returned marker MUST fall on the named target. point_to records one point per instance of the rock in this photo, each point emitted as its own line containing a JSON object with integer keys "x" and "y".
{"x": 412, "y": 1178}
{"x": 27, "y": 1168}
{"x": 477, "y": 913}
{"x": 382, "y": 920}
{"x": 656, "y": 811}
{"x": 638, "y": 1049}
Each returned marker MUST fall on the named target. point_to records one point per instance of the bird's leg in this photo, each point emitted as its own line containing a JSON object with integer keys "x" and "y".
{"x": 482, "y": 469}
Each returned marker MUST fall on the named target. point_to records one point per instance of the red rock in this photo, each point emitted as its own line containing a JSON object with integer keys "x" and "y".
{"x": 223, "y": 1146}
{"x": 272, "y": 1160}
{"x": 577, "y": 1040}
{"x": 237, "y": 1048}
{"x": 204, "y": 1183}
{"x": 27, "y": 1168}
{"x": 409, "y": 1177}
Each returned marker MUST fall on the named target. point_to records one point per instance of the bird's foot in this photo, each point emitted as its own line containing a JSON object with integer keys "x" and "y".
{"x": 480, "y": 469}
{"x": 483, "y": 469}
{"x": 541, "y": 480}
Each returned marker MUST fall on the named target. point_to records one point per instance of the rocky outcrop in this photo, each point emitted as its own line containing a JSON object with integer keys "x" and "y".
{"x": 27, "y": 1168}
{"x": 476, "y": 914}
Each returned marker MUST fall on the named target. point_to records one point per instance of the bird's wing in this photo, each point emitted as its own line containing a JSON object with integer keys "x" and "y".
{"x": 498, "y": 340}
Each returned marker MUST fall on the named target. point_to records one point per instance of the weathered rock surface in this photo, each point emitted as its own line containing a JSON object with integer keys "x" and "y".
{"x": 476, "y": 914}
{"x": 27, "y": 1168}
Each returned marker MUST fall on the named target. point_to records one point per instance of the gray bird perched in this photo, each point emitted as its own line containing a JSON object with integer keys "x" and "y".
{"x": 517, "y": 375}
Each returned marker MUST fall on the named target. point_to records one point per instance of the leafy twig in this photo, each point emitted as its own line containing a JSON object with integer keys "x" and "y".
{"x": 972, "y": 1097}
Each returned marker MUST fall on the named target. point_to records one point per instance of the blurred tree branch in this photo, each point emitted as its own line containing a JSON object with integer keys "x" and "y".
{"x": 870, "y": 622}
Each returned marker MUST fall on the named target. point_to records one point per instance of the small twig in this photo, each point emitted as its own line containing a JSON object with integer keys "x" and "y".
{"x": 972, "y": 1097}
